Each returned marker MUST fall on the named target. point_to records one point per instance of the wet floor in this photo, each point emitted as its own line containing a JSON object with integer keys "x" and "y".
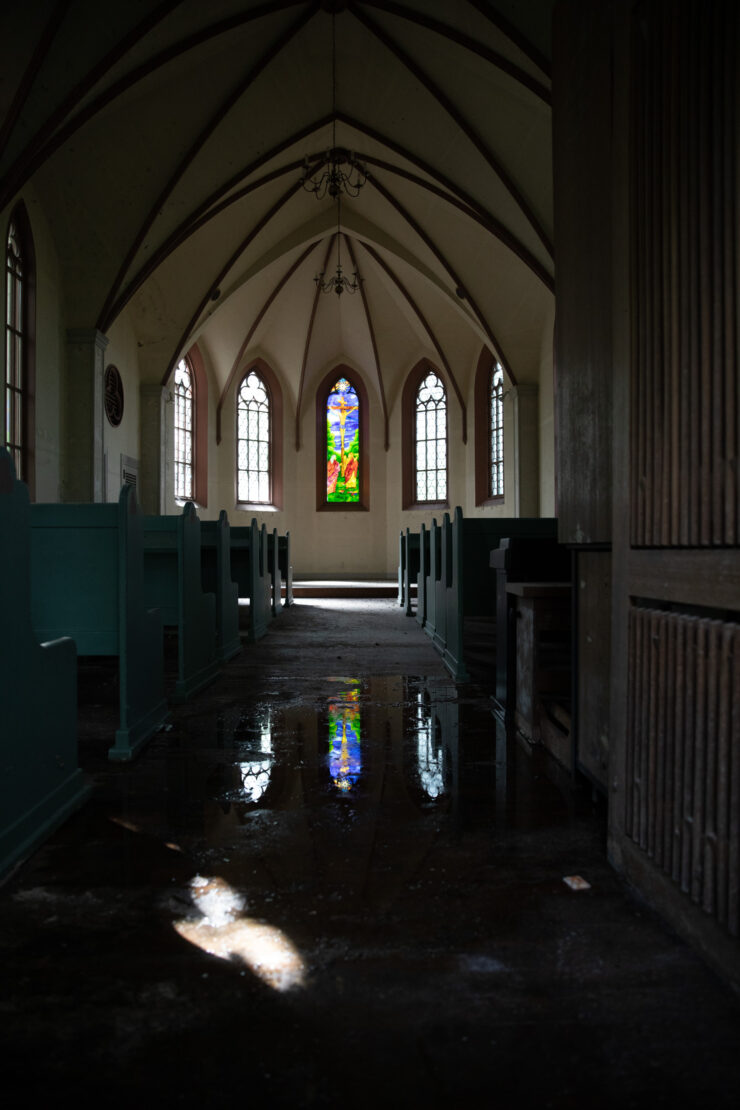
{"x": 333, "y": 880}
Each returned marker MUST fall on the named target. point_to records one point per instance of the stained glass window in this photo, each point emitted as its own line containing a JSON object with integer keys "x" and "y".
{"x": 184, "y": 439}
{"x": 431, "y": 439}
{"x": 253, "y": 440}
{"x": 345, "y": 757}
{"x": 15, "y": 343}
{"x": 343, "y": 443}
{"x": 496, "y": 416}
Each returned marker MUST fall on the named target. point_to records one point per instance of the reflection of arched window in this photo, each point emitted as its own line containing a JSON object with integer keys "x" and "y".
{"x": 430, "y": 440}
{"x": 255, "y": 773}
{"x": 19, "y": 327}
{"x": 496, "y": 434}
{"x": 253, "y": 437}
{"x": 341, "y": 442}
{"x": 430, "y": 753}
{"x": 489, "y": 430}
{"x": 184, "y": 395}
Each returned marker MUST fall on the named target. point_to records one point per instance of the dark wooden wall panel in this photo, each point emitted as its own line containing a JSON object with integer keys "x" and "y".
{"x": 594, "y": 625}
{"x": 582, "y": 194}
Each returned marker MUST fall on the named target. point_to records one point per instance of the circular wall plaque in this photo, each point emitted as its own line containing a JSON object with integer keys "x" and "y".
{"x": 113, "y": 396}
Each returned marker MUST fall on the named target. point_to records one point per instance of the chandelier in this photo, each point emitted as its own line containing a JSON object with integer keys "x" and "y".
{"x": 343, "y": 173}
{"x": 339, "y": 283}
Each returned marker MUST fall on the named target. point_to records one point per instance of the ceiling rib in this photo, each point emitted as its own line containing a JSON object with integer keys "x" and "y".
{"x": 224, "y": 271}
{"x": 306, "y": 345}
{"x": 427, "y": 328}
{"x": 453, "y": 275}
{"x": 32, "y": 69}
{"x": 513, "y": 34}
{"x": 252, "y": 329}
{"x": 500, "y": 61}
{"x": 218, "y": 116}
{"x": 35, "y": 153}
{"x": 444, "y": 102}
{"x": 371, "y": 331}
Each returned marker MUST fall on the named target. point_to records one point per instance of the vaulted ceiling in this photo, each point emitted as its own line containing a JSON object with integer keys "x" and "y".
{"x": 167, "y": 143}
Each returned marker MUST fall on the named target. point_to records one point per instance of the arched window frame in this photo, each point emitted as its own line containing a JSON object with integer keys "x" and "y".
{"x": 408, "y": 417}
{"x": 184, "y": 436}
{"x": 20, "y": 349}
{"x": 199, "y": 379}
{"x": 489, "y": 368}
{"x": 322, "y": 396}
{"x": 275, "y": 397}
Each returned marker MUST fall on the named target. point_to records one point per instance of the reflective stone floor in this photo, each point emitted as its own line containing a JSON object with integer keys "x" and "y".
{"x": 334, "y": 881}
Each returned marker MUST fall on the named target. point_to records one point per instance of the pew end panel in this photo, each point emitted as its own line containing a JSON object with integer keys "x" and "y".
{"x": 285, "y": 560}
{"x": 41, "y": 784}
{"x": 216, "y": 579}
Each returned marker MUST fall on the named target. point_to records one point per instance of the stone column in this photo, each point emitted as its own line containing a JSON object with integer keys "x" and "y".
{"x": 527, "y": 444}
{"x": 83, "y": 471}
{"x": 153, "y": 447}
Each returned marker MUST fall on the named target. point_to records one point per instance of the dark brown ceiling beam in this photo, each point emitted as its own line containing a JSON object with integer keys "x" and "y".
{"x": 471, "y": 209}
{"x": 32, "y": 69}
{"x": 371, "y": 332}
{"x": 520, "y": 40}
{"x": 465, "y": 126}
{"x": 500, "y": 61}
{"x": 231, "y": 261}
{"x": 182, "y": 233}
{"x": 455, "y": 278}
{"x": 252, "y": 329}
{"x": 36, "y": 152}
{"x": 427, "y": 328}
{"x": 306, "y": 346}
{"x": 186, "y": 161}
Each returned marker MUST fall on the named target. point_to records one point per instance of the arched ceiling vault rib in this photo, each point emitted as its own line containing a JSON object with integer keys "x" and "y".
{"x": 31, "y": 71}
{"x": 371, "y": 331}
{"x": 255, "y": 324}
{"x": 223, "y": 272}
{"x": 429, "y": 242}
{"x": 211, "y": 206}
{"x": 427, "y": 328}
{"x": 512, "y": 33}
{"x": 306, "y": 345}
{"x": 464, "y": 125}
{"x": 187, "y": 228}
{"x": 36, "y": 152}
{"x": 471, "y": 209}
{"x": 218, "y": 116}
{"x": 500, "y": 61}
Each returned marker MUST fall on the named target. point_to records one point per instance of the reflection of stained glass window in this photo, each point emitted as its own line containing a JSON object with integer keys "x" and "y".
{"x": 183, "y": 432}
{"x": 345, "y": 758}
{"x": 430, "y": 754}
{"x": 343, "y": 443}
{"x": 253, "y": 441}
{"x": 496, "y": 412}
{"x": 255, "y": 773}
{"x": 431, "y": 440}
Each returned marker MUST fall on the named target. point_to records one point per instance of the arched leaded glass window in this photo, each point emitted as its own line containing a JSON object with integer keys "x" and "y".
{"x": 496, "y": 432}
{"x": 431, "y": 439}
{"x": 15, "y": 347}
{"x": 184, "y": 432}
{"x": 253, "y": 440}
{"x": 343, "y": 443}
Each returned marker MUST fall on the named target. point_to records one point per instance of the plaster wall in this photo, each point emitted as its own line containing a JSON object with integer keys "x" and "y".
{"x": 124, "y": 440}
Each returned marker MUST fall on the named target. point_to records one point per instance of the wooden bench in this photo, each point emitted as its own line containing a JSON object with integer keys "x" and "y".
{"x": 408, "y": 567}
{"x": 173, "y": 583}
{"x": 281, "y": 570}
{"x": 87, "y": 582}
{"x": 250, "y": 570}
{"x": 465, "y": 586}
{"x": 215, "y": 552}
{"x": 430, "y": 569}
{"x": 421, "y": 575}
{"x": 40, "y": 782}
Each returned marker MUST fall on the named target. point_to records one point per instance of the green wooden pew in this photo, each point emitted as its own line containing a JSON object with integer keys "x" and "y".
{"x": 173, "y": 583}
{"x": 408, "y": 567}
{"x": 87, "y": 582}
{"x": 281, "y": 570}
{"x": 428, "y": 578}
{"x": 421, "y": 576}
{"x": 249, "y": 567}
{"x": 215, "y": 551}
{"x": 40, "y": 782}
